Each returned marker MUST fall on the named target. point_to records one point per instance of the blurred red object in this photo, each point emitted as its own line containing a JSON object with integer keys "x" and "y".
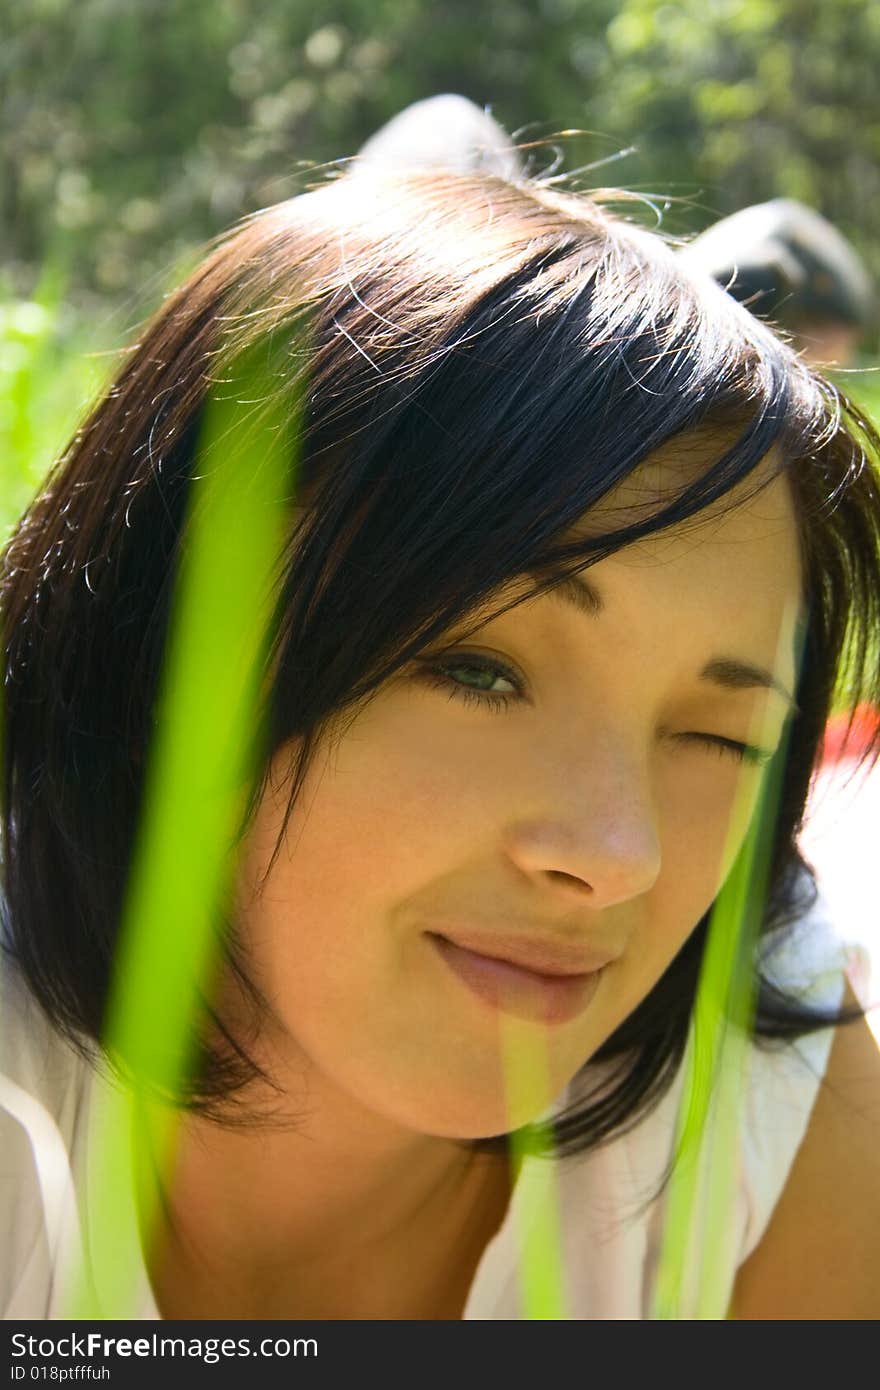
{"x": 850, "y": 738}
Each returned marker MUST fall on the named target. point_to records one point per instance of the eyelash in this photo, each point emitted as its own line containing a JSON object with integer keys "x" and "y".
{"x": 496, "y": 702}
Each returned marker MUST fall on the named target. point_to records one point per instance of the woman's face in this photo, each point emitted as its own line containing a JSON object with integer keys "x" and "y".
{"x": 564, "y": 788}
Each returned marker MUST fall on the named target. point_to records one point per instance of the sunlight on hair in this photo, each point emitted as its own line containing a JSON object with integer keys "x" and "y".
{"x": 699, "y": 1236}
{"x": 199, "y": 778}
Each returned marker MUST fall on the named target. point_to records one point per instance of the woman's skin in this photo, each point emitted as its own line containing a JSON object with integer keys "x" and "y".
{"x": 596, "y": 811}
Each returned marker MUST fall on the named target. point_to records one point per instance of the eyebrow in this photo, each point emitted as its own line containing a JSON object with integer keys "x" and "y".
{"x": 727, "y": 672}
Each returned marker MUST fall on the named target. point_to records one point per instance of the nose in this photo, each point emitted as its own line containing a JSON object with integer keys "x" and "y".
{"x": 595, "y": 840}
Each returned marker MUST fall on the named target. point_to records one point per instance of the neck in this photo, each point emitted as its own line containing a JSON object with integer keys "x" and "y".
{"x": 341, "y": 1208}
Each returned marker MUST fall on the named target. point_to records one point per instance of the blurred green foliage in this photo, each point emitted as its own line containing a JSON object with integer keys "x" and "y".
{"x": 49, "y": 373}
{"x": 133, "y": 130}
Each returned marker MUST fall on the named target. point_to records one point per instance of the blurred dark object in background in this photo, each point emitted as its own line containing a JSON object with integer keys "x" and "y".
{"x": 791, "y": 266}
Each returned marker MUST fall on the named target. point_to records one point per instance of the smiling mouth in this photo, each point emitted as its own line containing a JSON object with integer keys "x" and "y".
{"x": 535, "y": 996}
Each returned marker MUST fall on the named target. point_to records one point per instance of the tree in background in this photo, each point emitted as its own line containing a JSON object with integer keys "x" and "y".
{"x": 132, "y": 129}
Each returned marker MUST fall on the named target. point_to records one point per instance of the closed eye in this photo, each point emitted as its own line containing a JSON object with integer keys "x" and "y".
{"x": 729, "y": 747}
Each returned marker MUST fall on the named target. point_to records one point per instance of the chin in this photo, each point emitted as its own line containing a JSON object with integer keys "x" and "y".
{"x": 469, "y": 1120}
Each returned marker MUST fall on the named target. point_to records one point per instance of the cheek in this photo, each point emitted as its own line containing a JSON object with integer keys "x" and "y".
{"x": 399, "y": 800}
{"x": 706, "y": 813}
{"x": 376, "y": 820}
{"x": 356, "y": 993}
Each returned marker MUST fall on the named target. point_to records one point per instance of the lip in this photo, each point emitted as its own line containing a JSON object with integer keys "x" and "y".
{"x": 539, "y": 954}
{"x": 539, "y": 996}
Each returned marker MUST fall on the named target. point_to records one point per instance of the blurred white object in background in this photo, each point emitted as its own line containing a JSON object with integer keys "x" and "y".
{"x": 841, "y": 840}
{"x": 446, "y": 131}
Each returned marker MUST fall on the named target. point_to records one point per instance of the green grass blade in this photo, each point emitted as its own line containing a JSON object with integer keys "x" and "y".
{"x": 198, "y": 779}
{"x": 536, "y": 1203}
{"x": 698, "y": 1247}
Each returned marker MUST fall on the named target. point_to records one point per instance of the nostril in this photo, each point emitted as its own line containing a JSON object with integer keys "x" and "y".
{"x": 571, "y": 879}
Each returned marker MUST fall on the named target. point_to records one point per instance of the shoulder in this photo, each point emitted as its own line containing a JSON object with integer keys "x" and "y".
{"x": 819, "y": 1257}
{"x": 43, "y": 1085}
{"x": 33, "y": 1054}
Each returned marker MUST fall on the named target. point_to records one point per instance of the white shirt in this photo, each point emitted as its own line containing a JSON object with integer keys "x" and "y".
{"x": 603, "y": 1204}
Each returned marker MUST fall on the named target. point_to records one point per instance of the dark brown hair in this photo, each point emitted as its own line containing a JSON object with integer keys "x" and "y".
{"x": 482, "y": 362}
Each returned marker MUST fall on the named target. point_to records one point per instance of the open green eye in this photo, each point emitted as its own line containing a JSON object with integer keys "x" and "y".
{"x": 446, "y": 675}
